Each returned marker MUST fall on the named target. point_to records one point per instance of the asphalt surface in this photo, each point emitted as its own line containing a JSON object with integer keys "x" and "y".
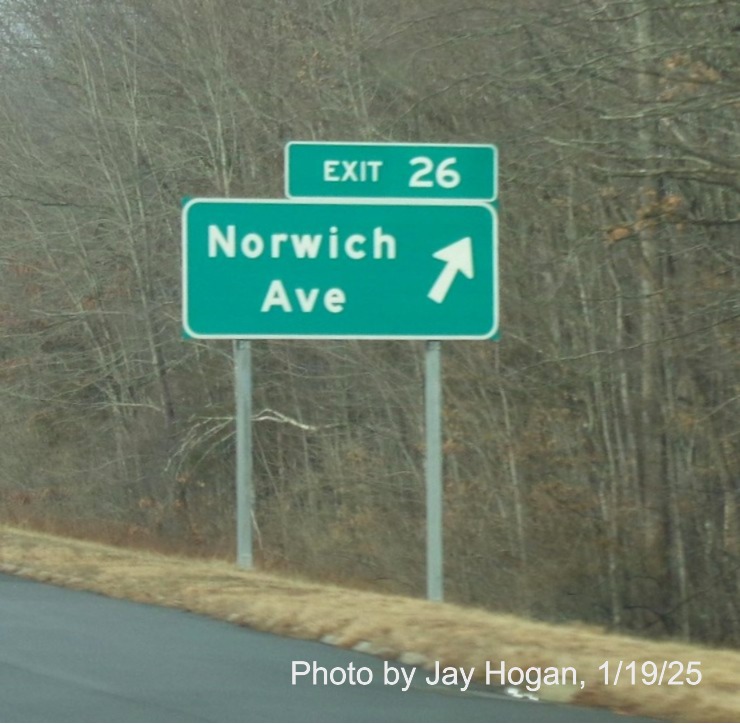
{"x": 74, "y": 656}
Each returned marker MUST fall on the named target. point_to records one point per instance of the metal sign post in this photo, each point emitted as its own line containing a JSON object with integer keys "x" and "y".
{"x": 434, "y": 477}
{"x": 244, "y": 494}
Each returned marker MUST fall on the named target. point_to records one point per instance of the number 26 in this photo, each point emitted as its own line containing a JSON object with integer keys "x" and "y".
{"x": 444, "y": 175}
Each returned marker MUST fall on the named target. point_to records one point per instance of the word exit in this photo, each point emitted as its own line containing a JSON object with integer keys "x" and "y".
{"x": 352, "y": 170}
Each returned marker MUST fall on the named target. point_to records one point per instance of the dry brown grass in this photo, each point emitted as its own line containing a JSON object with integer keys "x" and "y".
{"x": 390, "y": 626}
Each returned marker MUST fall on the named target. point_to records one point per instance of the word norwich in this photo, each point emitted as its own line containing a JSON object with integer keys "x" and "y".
{"x": 253, "y": 245}
{"x": 532, "y": 679}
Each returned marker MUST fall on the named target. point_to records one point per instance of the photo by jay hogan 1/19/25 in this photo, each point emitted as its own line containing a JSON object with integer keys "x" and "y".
{"x": 499, "y": 673}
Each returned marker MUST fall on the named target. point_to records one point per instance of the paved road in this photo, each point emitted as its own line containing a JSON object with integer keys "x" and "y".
{"x": 74, "y": 656}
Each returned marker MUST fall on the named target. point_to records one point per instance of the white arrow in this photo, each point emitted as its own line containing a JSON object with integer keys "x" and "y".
{"x": 458, "y": 257}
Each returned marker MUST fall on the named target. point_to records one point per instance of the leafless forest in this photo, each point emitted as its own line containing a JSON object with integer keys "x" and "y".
{"x": 591, "y": 455}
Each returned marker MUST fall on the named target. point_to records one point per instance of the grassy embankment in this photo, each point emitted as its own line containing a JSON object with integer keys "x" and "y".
{"x": 390, "y": 626}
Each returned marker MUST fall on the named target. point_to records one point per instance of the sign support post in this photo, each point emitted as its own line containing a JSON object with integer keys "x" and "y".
{"x": 244, "y": 494}
{"x": 434, "y": 477}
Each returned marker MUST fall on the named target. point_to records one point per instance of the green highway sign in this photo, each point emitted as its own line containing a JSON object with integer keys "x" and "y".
{"x": 375, "y": 269}
{"x": 391, "y": 170}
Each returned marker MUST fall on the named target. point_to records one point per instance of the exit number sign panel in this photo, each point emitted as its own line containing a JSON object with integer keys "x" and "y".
{"x": 390, "y": 170}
